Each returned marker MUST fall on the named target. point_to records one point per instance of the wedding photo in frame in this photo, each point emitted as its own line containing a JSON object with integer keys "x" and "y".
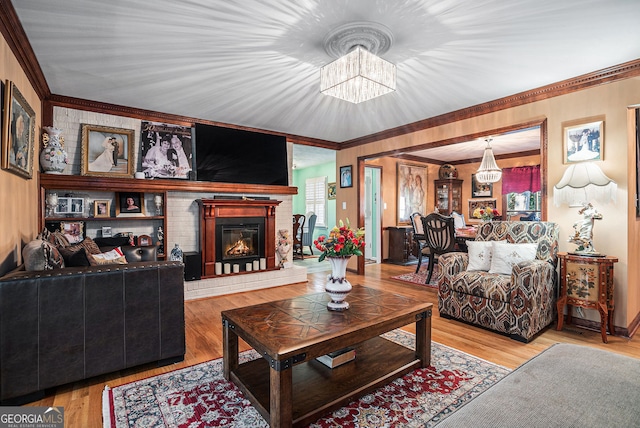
{"x": 107, "y": 151}
{"x": 166, "y": 150}
{"x": 583, "y": 140}
{"x": 18, "y": 132}
{"x": 346, "y": 176}
{"x": 411, "y": 191}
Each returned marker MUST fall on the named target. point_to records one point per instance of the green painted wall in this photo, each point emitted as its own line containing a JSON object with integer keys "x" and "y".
{"x": 300, "y": 175}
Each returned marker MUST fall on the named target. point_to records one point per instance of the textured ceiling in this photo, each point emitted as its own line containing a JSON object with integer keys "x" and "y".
{"x": 256, "y": 63}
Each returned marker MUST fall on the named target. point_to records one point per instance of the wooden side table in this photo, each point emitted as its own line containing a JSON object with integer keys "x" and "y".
{"x": 587, "y": 282}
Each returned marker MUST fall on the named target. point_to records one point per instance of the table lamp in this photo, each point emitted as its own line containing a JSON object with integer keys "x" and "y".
{"x": 581, "y": 183}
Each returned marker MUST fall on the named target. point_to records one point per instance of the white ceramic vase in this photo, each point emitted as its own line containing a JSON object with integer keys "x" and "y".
{"x": 337, "y": 285}
{"x": 53, "y": 157}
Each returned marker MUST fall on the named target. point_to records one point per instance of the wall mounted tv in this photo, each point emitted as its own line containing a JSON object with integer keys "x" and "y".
{"x": 230, "y": 155}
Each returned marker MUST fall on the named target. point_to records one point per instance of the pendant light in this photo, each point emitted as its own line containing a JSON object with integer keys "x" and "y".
{"x": 489, "y": 172}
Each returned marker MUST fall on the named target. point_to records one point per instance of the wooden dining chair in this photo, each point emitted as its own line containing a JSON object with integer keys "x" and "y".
{"x": 440, "y": 234}
{"x": 418, "y": 237}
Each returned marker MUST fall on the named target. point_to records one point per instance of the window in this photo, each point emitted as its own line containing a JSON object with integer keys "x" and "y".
{"x": 315, "y": 198}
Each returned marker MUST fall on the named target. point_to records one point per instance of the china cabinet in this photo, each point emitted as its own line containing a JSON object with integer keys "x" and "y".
{"x": 448, "y": 194}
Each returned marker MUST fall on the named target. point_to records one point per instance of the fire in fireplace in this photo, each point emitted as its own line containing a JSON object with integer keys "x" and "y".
{"x": 239, "y": 241}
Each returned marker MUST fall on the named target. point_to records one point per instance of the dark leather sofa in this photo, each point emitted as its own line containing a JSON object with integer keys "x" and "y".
{"x": 64, "y": 325}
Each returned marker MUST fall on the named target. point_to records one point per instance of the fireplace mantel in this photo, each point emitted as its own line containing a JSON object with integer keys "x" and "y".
{"x": 212, "y": 209}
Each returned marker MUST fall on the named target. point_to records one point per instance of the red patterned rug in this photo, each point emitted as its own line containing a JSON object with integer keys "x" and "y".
{"x": 198, "y": 396}
{"x": 420, "y": 278}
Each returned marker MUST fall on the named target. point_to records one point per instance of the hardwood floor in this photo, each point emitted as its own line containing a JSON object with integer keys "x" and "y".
{"x": 82, "y": 401}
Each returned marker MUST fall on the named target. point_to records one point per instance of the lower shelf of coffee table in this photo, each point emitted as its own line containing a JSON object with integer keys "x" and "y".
{"x": 317, "y": 389}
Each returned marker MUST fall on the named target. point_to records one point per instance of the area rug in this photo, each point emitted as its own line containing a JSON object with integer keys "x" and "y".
{"x": 420, "y": 278}
{"x": 198, "y": 396}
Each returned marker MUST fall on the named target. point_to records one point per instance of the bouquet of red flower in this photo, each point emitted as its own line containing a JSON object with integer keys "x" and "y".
{"x": 342, "y": 241}
{"x": 486, "y": 213}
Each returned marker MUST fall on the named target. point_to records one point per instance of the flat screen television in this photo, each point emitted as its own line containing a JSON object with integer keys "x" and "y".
{"x": 230, "y": 155}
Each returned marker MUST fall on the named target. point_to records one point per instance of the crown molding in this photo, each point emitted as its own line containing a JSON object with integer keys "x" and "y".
{"x": 596, "y": 78}
{"x": 16, "y": 38}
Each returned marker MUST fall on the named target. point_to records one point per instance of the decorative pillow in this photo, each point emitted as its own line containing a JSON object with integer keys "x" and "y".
{"x": 56, "y": 238}
{"x": 41, "y": 255}
{"x": 88, "y": 244}
{"x": 115, "y": 256}
{"x": 75, "y": 258}
{"x": 480, "y": 254}
{"x": 506, "y": 255}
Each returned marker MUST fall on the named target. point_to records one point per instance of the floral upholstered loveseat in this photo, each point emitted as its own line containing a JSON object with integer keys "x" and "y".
{"x": 518, "y": 302}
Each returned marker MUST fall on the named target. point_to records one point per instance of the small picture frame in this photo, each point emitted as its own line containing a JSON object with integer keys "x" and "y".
{"x": 72, "y": 230}
{"x": 64, "y": 206}
{"x": 102, "y": 208}
{"x": 18, "y": 133}
{"x": 77, "y": 206}
{"x": 145, "y": 240}
{"x": 106, "y": 232}
{"x": 107, "y": 151}
{"x": 583, "y": 140}
{"x": 129, "y": 203}
{"x": 480, "y": 190}
{"x": 331, "y": 191}
{"x": 346, "y": 179}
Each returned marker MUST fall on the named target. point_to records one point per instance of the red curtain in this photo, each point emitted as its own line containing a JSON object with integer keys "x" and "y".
{"x": 520, "y": 179}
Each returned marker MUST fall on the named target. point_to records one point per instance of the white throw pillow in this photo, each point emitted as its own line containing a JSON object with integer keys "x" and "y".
{"x": 115, "y": 256}
{"x": 506, "y": 255}
{"x": 479, "y": 255}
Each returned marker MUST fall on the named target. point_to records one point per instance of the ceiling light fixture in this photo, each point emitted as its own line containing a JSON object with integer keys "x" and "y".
{"x": 358, "y": 74}
{"x": 489, "y": 172}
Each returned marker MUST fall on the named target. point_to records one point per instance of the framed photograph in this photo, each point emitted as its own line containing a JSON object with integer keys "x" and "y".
{"x": 145, "y": 240}
{"x": 107, "y": 152}
{"x": 72, "y": 230}
{"x": 583, "y": 140}
{"x": 102, "y": 208}
{"x": 331, "y": 191}
{"x": 106, "y": 232}
{"x": 166, "y": 150}
{"x": 480, "y": 190}
{"x": 77, "y": 206}
{"x": 346, "y": 176}
{"x": 481, "y": 203}
{"x": 412, "y": 193}
{"x": 18, "y": 133}
{"x": 129, "y": 203}
{"x": 64, "y": 206}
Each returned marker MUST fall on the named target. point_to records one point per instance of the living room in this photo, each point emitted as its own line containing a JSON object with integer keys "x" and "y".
{"x": 611, "y": 91}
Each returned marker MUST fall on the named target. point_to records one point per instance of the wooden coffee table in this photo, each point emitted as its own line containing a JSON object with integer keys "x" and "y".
{"x": 288, "y": 386}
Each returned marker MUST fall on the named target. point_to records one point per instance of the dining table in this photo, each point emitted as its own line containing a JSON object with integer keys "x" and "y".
{"x": 464, "y": 234}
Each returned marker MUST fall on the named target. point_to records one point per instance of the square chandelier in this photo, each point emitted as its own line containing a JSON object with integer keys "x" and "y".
{"x": 358, "y": 76}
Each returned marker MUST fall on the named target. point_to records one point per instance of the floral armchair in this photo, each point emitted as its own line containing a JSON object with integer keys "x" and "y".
{"x": 519, "y": 303}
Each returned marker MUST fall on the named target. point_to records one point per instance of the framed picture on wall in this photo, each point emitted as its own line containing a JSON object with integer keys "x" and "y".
{"x": 583, "y": 140}
{"x": 481, "y": 203}
{"x": 346, "y": 176}
{"x": 331, "y": 191}
{"x": 102, "y": 208}
{"x": 411, "y": 191}
{"x": 480, "y": 190}
{"x": 18, "y": 133}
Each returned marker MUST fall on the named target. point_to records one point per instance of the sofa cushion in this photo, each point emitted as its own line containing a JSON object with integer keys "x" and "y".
{"x": 41, "y": 255}
{"x": 88, "y": 244}
{"x": 480, "y": 255}
{"x": 115, "y": 256}
{"x": 57, "y": 238}
{"x": 505, "y": 256}
{"x": 75, "y": 258}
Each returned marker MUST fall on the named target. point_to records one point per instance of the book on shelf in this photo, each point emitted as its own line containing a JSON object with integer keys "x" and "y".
{"x": 337, "y": 358}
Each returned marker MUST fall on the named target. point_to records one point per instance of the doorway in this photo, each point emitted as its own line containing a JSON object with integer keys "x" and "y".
{"x": 372, "y": 215}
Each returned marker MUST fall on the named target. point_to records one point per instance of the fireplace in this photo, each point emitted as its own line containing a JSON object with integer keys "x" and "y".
{"x": 236, "y": 231}
{"x": 240, "y": 240}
